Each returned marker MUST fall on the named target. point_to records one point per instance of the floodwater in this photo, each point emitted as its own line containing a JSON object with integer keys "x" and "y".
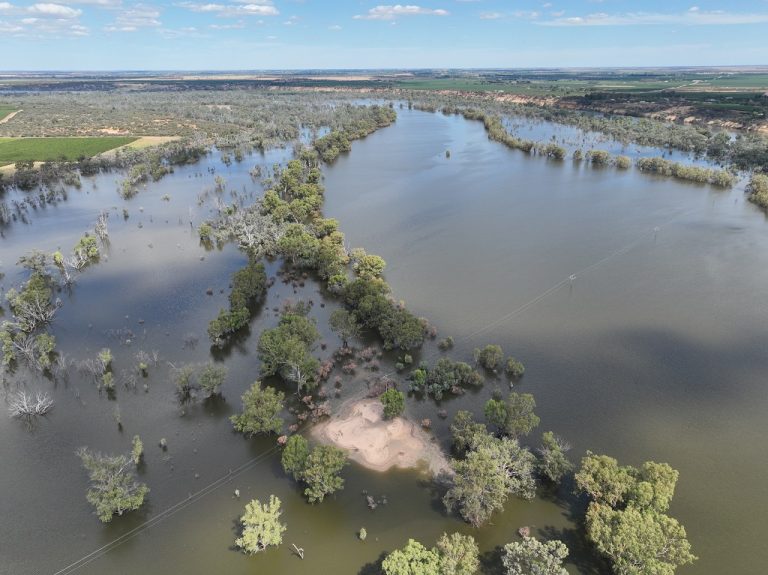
{"x": 655, "y": 350}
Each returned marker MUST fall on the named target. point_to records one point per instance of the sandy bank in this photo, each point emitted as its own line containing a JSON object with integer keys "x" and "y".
{"x": 379, "y": 444}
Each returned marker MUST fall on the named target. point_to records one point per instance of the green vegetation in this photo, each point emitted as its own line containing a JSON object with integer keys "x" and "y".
{"x": 447, "y": 376}
{"x": 33, "y": 308}
{"x": 369, "y": 302}
{"x": 137, "y": 449}
{"x": 318, "y": 468}
{"x": 720, "y": 178}
{"x": 261, "y": 409}
{"x": 56, "y": 149}
{"x": 490, "y": 357}
{"x": 6, "y": 110}
{"x": 114, "y": 489}
{"x": 361, "y": 122}
{"x": 514, "y": 368}
{"x": 454, "y": 554}
{"x": 492, "y": 469}
{"x": 211, "y": 379}
{"x": 345, "y": 325}
{"x": 758, "y": 190}
{"x": 261, "y": 526}
{"x": 393, "y": 402}
{"x": 249, "y": 286}
{"x": 516, "y": 416}
{"x": 413, "y": 559}
{"x": 626, "y": 518}
{"x": 553, "y": 461}
{"x": 285, "y": 349}
{"x": 531, "y": 556}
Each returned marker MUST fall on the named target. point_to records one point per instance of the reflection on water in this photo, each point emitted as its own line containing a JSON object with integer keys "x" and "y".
{"x": 655, "y": 350}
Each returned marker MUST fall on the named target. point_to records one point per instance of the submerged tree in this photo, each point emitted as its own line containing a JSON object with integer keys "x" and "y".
{"x": 261, "y": 526}
{"x": 458, "y": 554}
{"x": 626, "y": 518}
{"x": 345, "y": 325}
{"x": 261, "y": 408}
{"x": 492, "y": 470}
{"x": 319, "y": 469}
{"x": 532, "y": 557}
{"x": 114, "y": 489}
{"x": 490, "y": 357}
{"x": 413, "y": 559}
{"x": 553, "y": 461}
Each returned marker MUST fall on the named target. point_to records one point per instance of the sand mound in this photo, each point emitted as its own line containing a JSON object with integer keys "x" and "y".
{"x": 380, "y": 444}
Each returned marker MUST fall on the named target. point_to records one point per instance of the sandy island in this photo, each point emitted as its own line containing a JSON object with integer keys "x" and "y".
{"x": 379, "y": 444}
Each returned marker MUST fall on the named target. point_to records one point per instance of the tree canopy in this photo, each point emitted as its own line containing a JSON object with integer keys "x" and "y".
{"x": 626, "y": 518}
{"x": 261, "y": 408}
{"x": 261, "y": 526}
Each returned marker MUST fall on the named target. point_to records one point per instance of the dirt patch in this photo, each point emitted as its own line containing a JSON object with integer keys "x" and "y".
{"x": 379, "y": 444}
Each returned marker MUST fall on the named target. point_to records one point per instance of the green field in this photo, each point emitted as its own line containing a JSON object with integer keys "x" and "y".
{"x": 5, "y": 110}
{"x": 47, "y": 149}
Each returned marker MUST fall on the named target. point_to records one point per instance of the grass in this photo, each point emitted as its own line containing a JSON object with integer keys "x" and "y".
{"x": 5, "y": 110}
{"x": 47, "y": 149}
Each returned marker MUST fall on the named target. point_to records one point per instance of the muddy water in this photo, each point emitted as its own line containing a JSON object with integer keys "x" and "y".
{"x": 655, "y": 350}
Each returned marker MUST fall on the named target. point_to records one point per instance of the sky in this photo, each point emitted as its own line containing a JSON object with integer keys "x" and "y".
{"x": 359, "y": 34}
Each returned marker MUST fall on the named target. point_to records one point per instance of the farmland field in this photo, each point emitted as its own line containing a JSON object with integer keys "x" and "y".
{"x": 46, "y": 149}
{"x": 5, "y": 110}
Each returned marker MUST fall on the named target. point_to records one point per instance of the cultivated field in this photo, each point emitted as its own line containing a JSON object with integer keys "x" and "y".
{"x": 46, "y": 149}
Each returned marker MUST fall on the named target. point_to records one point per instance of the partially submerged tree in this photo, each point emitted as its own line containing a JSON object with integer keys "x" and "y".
{"x": 492, "y": 470}
{"x": 319, "y": 469}
{"x": 458, "y": 554}
{"x": 626, "y": 518}
{"x": 261, "y": 409}
{"x": 211, "y": 379}
{"x": 393, "y": 402}
{"x": 490, "y": 357}
{"x": 553, "y": 461}
{"x": 285, "y": 349}
{"x": 261, "y": 526}
{"x": 413, "y": 559}
{"x": 532, "y": 557}
{"x": 345, "y": 325}
{"x": 114, "y": 489}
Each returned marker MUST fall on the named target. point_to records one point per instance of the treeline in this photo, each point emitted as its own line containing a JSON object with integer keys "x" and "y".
{"x": 360, "y": 122}
{"x": 497, "y": 132}
{"x": 288, "y": 222}
{"x": 249, "y": 286}
{"x": 758, "y": 190}
{"x": 746, "y": 150}
{"x": 721, "y": 178}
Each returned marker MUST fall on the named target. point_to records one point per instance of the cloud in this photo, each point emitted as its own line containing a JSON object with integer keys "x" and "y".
{"x": 390, "y": 12}
{"x": 138, "y": 16}
{"x": 491, "y": 15}
{"x": 97, "y": 3}
{"x": 10, "y": 28}
{"x": 232, "y": 10}
{"x": 693, "y": 17}
{"x": 54, "y": 10}
{"x": 335, "y": 27}
{"x": 6, "y": 7}
{"x": 235, "y": 26}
